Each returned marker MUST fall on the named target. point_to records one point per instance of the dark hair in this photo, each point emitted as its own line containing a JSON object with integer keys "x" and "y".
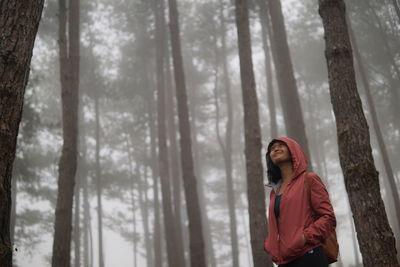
{"x": 273, "y": 172}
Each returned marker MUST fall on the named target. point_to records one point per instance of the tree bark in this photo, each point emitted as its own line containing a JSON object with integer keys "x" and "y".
{"x": 360, "y": 175}
{"x": 266, "y": 32}
{"x": 175, "y": 255}
{"x": 255, "y": 183}
{"x": 292, "y": 113}
{"x": 375, "y": 122}
{"x": 19, "y": 22}
{"x": 197, "y": 255}
{"x": 69, "y": 69}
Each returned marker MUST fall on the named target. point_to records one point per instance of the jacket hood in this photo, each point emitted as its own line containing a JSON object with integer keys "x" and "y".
{"x": 299, "y": 159}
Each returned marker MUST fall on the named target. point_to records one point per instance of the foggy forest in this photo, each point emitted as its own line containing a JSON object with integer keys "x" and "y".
{"x": 134, "y": 133}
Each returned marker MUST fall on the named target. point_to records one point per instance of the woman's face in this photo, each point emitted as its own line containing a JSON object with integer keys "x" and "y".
{"x": 279, "y": 153}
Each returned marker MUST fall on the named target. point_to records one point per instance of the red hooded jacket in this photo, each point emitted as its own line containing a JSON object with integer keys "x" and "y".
{"x": 302, "y": 210}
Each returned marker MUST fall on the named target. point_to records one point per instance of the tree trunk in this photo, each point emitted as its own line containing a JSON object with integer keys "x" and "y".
{"x": 69, "y": 68}
{"x": 197, "y": 255}
{"x": 77, "y": 214}
{"x": 288, "y": 92}
{"x": 255, "y": 183}
{"x": 175, "y": 255}
{"x": 16, "y": 47}
{"x": 99, "y": 184}
{"x": 209, "y": 250}
{"x": 396, "y": 7}
{"x": 174, "y": 152}
{"x": 154, "y": 174}
{"x": 375, "y": 122}
{"x": 360, "y": 175}
{"x": 266, "y": 32}
{"x": 227, "y": 150}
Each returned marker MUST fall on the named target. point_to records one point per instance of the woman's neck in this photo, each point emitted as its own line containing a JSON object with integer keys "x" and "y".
{"x": 286, "y": 171}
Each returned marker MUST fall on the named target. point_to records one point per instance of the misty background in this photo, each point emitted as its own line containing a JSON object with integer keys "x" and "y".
{"x": 118, "y": 111}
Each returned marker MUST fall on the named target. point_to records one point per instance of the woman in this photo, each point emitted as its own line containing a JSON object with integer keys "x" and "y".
{"x": 301, "y": 216}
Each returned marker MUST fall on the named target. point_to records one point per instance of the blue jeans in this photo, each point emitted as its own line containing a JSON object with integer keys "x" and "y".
{"x": 313, "y": 258}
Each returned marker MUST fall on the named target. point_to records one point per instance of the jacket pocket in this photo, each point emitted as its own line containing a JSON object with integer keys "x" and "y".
{"x": 292, "y": 247}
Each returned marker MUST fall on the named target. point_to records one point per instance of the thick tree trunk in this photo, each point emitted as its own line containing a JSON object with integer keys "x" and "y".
{"x": 69, "y": 68}
{"x": 99, "y": 184}
{"x": 375, "y": 122}
{"x": 288, "y": 92}
{"x": 227, "y": 150}
{"x": 266, "y": 32}
{"x": 175, "y": 256}
{"x": 255, "y": 183}
{"x": 197, "y": 255}
{"x": 360, "y": 175}
{"x": 16, "y": 45}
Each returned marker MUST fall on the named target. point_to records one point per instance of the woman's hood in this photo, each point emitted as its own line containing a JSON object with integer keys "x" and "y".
{"x": 299, "y": 158}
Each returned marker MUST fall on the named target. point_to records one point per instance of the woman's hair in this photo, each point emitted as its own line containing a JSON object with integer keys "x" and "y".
{"x": 273, "y": 171}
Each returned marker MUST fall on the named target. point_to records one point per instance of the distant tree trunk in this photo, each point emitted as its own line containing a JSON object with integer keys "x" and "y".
{"x": 174, "y": 153}
{"x": 288, "y": 91}
{"x": 197, "y": 255}
{"x": 396, "y": 7}
{"x": 227, "y": 149}
{"x": 69, "y": 68}
{"x": 266, "y": 32}
{"x": 99, "y": 184}
{"x": 143, "y": 203}
{"x": 14, "y": 190}
{"x": 77, "y": 214}
{"x": 154, "y": 174}
{"x": 255, "y": 183}
{"x": 174, "y": 149}
{"x": 375, "y": 122}
{"x": 209, "y": 250}
{"x": 20, "y": 21}
{"x": 86, "y": 206}
{"x": 360, "y": 176}
{"x": 175, "y": 255}
{"x": 133, "y": 202}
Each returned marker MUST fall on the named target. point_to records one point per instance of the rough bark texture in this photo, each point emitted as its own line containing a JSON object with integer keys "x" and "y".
{"x": 255, "y": 185}
{"x": 376, "y": 240}
{"x": 69, "y": 74}
{"x": 19, "y": 22}
{"x": 266, "y": 32}
{"x": 375, "y": 122}
{"x": 197, "y": 255}
{"x": 288, "y": 92}
{"x": 175, "y": 256}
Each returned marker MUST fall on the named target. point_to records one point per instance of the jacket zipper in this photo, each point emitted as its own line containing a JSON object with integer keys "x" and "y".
{"x": 279, "y": 239}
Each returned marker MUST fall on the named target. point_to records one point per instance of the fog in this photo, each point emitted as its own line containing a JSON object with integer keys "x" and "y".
{"x": 119, "y": 151}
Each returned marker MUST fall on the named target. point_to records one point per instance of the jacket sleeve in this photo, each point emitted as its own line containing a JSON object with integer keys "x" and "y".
{"x": 325, "y": 221}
